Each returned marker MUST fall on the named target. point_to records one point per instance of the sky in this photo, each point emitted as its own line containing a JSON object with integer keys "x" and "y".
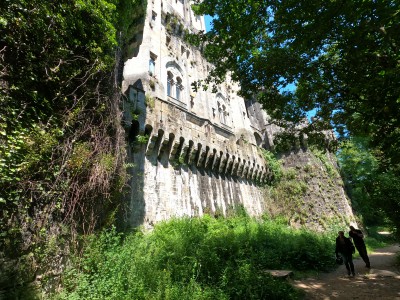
{"x": 208, "y": 20}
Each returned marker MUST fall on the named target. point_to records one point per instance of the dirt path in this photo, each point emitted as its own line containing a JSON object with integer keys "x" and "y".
{"x": 382, "y": 281}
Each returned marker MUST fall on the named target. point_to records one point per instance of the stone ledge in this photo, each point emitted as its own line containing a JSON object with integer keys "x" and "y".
{"x": 280, "y": 273}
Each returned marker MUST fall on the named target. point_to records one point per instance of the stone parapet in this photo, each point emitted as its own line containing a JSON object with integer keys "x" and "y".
{"x": 194, "y": 140}
{"x": 205, "y": 156}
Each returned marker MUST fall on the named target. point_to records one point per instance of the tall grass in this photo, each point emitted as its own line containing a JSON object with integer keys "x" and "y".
{"x": 196, "y": 258}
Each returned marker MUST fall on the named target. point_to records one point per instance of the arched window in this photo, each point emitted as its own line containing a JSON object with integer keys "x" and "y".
{"x": 170, "y": 84}
{"x": 221, "y": 113}
{"x": 223, "y": 110}
{"x": 175, "y": 82}
{"x": 179, "y": 87}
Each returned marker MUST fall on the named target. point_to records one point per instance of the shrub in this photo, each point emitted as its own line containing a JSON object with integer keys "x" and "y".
{"x": 274, "y": 165}
{"x": 142, "y": 139}
{"x": 196, "y": 258}
{"x": 150, "y": 102}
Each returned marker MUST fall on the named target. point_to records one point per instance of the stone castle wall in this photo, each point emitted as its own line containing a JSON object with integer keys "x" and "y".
{"x": 202, "y": 153}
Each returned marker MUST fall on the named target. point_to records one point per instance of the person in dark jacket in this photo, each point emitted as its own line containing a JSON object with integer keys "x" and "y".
{"x": 345, "y": 248}
{"x": 358, "y": 239}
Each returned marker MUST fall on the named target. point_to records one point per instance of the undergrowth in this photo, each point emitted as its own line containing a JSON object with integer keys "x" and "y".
{"x": 197, "y": 258}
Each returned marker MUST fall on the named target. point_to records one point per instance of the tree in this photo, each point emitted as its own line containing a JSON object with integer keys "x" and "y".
{"x": 359, "y": 170}
{"x": 342, "y": 56}
{"x": 61, "y": 143}
{"x": 374, "y": 192}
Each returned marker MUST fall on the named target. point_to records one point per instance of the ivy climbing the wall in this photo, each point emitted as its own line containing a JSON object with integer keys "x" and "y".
{"x": 61, "y": 145}
{"x": 274, "y": 166}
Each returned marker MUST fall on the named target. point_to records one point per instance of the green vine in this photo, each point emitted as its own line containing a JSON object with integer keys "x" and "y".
{"x": 150, "y": 101}
{"x": 142, "y": 139}
{"x": 61, "y": 147}
{"x": 323, "y": 157}
{"x": 274, "y": 166}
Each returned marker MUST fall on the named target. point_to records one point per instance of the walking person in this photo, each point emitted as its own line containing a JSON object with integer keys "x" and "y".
{"x": 358, "y": 239}
{"x": 345, "y": 248}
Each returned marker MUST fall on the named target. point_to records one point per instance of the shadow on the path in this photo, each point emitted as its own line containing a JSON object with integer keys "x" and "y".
{"x": 381, "y": 281}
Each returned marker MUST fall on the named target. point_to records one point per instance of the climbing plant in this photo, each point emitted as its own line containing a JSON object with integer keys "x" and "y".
{"x": 274, "y": 165}
{"x": 61, "y": 145}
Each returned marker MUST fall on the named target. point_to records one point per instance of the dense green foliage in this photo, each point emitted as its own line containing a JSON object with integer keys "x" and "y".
{"x": 337, "y": 59}
{"x": 374, "y": 193}
{"x": 274, "y": 166}
{"x": 342, "y": 56}
{"x": 47, "y": 68}
{"x": 61, "y": 143}
{"x": 199, "y": 258}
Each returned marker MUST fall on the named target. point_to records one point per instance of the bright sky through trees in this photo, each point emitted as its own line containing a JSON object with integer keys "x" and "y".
{"x": 207, "y": 20}
{"x": 291, "y": 87}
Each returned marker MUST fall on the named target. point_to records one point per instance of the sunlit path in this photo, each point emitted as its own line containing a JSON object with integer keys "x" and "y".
{"x": 382, "y": 281}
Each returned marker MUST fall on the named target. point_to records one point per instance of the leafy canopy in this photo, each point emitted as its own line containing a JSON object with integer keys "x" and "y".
{"x": 61, "y": 145}
{"x": 375, "y": 193}
{"x": 342, "y": 56}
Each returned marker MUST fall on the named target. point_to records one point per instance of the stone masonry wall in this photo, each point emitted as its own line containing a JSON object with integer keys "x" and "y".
{"x": 190, "y": 153}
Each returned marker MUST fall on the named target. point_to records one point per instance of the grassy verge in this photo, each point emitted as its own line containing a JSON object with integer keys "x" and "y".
{"x": 198, "y": 258}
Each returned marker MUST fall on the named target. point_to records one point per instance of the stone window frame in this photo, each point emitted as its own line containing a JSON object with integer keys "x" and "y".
{"x": 152, "y": 64}
{"x": 176, "y": 82}
{"x": 179, "y": 88}
{"x": 222, "y": 109}
{"x": 170, "y": 84}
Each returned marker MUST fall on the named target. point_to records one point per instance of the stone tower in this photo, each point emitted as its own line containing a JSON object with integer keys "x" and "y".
{"x": 191, "y": 153}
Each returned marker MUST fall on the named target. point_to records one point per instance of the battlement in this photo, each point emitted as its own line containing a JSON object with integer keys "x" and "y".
{"x": 192, "y": 151}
